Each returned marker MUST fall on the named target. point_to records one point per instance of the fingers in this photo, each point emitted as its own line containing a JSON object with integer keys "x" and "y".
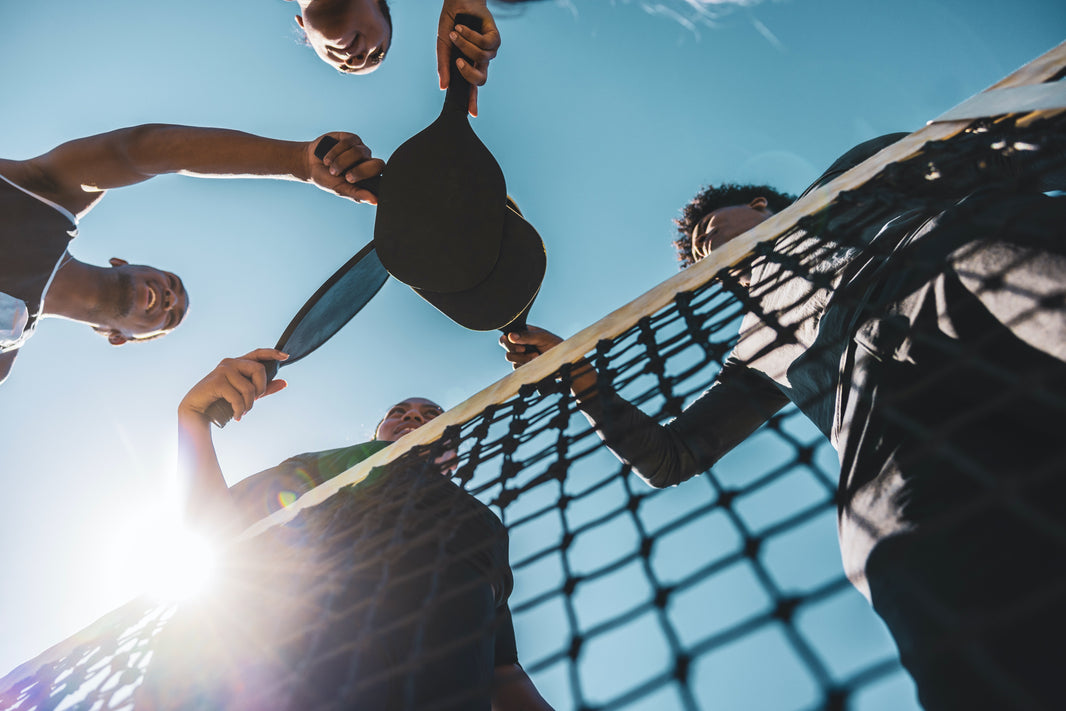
{"x": 344, "y": 164}
{"x": 238, "y": 381}
{"x": 266, "y": 354}
{"x": 471, "y": 106}
{"x": 346, "y": 154}
{"x": 523, "y": 346}
{"x": 478, "y": 48}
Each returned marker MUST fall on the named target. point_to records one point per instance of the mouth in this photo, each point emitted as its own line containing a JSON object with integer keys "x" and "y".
{"x": 152, "y": 298}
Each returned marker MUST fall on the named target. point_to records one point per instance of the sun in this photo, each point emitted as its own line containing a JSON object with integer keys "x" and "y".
{"x": 165, "y": 560}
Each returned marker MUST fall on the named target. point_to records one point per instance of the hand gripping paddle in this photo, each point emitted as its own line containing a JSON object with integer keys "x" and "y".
{"x": 325, "y": 313}
{"x": 441, "y": 199}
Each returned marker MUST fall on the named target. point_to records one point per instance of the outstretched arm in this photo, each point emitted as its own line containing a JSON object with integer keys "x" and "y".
{"x": 240, "y": 381}
{"x": 76, "y": 173}
{"x": 736, "y": 405}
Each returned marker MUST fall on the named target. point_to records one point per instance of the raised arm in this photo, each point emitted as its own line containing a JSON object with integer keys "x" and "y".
{"x": 736, "y": 405}
{"x": 76, "y": 173}
{"x": 209, "y": 505}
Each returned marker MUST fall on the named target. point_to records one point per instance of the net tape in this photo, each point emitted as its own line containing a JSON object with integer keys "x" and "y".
{"x": 726, "y": 592}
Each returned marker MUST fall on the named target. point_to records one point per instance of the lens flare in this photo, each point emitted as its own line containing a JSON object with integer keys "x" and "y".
{"x": 171, "y": 564}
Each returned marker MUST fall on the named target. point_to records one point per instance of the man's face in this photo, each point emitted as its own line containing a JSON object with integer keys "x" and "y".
{"x": 350, "y": 35}
{"x": 142, "y": 302}
{"x": 718, "y": 227}
{"x": 407, "y": 416}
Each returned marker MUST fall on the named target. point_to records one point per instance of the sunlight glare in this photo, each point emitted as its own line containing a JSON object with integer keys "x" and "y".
{"x": 170, "y": 563}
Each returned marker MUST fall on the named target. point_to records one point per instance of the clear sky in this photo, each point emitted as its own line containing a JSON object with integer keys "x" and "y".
{"x": 606, "y": 116}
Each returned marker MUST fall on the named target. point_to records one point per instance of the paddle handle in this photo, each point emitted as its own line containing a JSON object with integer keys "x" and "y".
{"x": 519, "y": 324}
{"x": 220, "y": 412}
{"x": 457, "y": 98}
{"x": 326, "y": 143}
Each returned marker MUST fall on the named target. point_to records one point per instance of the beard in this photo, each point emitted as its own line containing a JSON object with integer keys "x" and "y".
{"x": 123, "y": 296}
{"x": 117, "y": 301}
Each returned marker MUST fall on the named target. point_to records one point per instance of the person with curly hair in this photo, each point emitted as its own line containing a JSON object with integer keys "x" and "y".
{"x": 930, "y": 349}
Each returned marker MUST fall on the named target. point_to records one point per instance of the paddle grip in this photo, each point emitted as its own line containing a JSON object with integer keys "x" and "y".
{"x": 326, "y": 143}
{"x": 519, "y": 324}
{"x": 220, "y": 412}
{"x": 457, "y": 97}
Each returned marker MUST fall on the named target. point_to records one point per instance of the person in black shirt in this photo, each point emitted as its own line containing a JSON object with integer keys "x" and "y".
{"x": 931, "y": 350}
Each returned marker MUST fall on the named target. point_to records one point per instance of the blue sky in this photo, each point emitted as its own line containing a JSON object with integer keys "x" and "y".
{"x": 605, "y": 117}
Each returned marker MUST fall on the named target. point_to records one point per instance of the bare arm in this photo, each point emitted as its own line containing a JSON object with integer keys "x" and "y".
{"x": 76, "y": 173}
{"x": 240, "y": 381}
{"x": 512, "y": 690}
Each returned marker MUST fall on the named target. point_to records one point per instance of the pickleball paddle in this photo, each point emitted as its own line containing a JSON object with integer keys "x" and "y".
{"x": 442, "y": 182}
{"x": 340, "y": 298}
{"x": 497, "y": 302}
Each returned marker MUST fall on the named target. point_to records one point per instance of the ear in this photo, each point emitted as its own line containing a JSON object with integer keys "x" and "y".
{"x": 758, "y": 203}
{"x": 116, "y": 262}
{"x": 115, "y": 338}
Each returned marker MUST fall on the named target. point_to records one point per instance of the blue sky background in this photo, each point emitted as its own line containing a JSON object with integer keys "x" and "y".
{"x": 605, "y": 117}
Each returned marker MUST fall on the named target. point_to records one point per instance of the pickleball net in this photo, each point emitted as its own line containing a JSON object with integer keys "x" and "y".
{"x": 725, "y": 592}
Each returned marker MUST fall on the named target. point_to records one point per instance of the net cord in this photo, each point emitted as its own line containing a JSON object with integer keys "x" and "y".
{"x": 1042, "y": 69}
{"x": 1047, "y": 67}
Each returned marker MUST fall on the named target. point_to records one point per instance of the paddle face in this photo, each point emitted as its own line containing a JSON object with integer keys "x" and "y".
{"x": 508, "y": 292}
{"x": 339, "y": 299}
{"x": 441, "y": 207}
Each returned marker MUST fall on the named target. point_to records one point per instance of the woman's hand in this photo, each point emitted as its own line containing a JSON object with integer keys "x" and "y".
{"x": 238, "y": 381}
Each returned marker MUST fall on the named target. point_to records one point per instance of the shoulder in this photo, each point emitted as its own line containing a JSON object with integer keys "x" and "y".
{"x": 28, "y": 175}
{"x": 853, "y": 157}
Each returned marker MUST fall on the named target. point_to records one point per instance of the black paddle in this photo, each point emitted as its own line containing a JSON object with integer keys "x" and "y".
{"x": 504, "y": 297}
{"x": 442, "y": 181}
{"x": 334, "y": 304}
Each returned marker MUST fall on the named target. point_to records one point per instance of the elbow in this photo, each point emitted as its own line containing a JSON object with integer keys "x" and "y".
{"x": 663, "y": 477}
{"x": 138, "y": 149}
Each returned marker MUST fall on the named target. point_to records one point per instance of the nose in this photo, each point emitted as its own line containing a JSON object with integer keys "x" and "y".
{"x": 413, "y": 415}
{"x": 356, "y": 61}
{"x": 169, "y": 299}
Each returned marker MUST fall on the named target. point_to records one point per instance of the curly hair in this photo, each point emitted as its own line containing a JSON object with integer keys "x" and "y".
{"x": 710, "y": 199}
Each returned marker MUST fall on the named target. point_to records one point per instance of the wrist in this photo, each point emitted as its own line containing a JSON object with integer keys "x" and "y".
{"x": 298, "y": 161}
{"x": 190, "y": 417}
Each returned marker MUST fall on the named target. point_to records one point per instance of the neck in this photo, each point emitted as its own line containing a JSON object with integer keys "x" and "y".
{"x": 77, "y": 292}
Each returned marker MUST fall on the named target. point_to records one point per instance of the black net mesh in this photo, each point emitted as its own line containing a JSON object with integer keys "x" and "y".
{"x": 726, "y": 591}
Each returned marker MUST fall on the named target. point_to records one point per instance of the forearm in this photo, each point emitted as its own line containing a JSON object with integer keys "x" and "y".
{"x": 75, "y": 174}
{"x": 208, "y": 504}
{"x": 155, "y": 149}
{"x": 654, "y": 452}
{"x": 735, "y": 406}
